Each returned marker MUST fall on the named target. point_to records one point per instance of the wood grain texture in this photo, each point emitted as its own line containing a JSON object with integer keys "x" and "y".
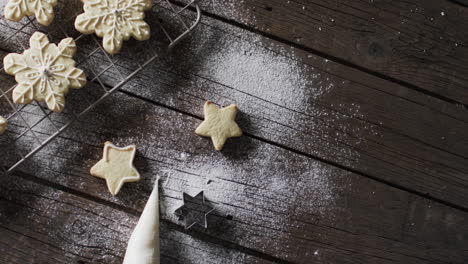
{"x": 324, "y": 110}
{"x": 40, "y": 224}
{"x": 292, "y": 189}
{"x": 421, "y": 43}
{"x": 267, "y": 199}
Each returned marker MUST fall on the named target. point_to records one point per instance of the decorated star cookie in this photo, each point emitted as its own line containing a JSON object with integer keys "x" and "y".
{"x": 15, "y": 10}
{"x": 3, "y": 125}
{"x": 116, "y": 167}
{"x": 115, "y": 21}
{"x": 219, "y": 124}
{"x": 45, "y": 72}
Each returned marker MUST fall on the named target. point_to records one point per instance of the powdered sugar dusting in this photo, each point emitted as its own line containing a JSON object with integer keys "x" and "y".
{"x": 271, "y": 193}
{"x": 259, "y": 72}
{"x": 231, "y": 9}
{"x": 278, "y": 92}
{"x": 260, "y": 191}
{"x": 92, "y": 232}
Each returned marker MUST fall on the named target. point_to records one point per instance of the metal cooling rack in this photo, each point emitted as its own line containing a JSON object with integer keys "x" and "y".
{"x": 32, "y": 127}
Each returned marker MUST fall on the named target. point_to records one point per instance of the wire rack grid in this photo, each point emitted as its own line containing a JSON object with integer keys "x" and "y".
{"x": 31, "y": 127}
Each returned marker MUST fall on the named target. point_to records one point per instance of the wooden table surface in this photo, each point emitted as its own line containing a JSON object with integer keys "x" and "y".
{"x": 355, "y": 147}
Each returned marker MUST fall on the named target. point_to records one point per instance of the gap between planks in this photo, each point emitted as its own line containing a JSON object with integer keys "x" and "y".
{"x": 181, "y": 229}
{"x": 328, "y": 56}
{"x": 335, "y": 164}
{"x": 282, "y": 146}
{"x": 302, "y": 153}
{"x": 169, "y": 161}
{"x": 424, "y": 192}
{"x": 329, "y": 162}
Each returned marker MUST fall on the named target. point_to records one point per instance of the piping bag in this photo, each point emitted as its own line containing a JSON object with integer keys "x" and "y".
{"x": 143, "y": 246}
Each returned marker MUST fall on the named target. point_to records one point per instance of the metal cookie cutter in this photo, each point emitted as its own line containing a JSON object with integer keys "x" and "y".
{"x": 194, "y": 210}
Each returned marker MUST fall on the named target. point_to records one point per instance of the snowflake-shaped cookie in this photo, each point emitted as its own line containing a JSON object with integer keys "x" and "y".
{"x": 45, "y": 72}
{"x": 114, "y": 20}
{"x": 15, "y": 10}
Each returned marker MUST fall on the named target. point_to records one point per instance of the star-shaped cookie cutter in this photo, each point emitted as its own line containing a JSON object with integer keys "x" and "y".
{"x": 194, "y": 211}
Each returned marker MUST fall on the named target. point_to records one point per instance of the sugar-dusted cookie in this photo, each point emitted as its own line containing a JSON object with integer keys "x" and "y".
{"x": 116, "y": 167}
{"x": 219, "y": 124}
{"x": 115, "y": 21}
{"x": 15, "y": 10}
{"x": 45, "y": 72}
{"x": 3, "y": 125}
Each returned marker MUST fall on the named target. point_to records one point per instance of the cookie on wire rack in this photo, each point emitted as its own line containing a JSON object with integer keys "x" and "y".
{"x": 114, "y": 21}
{"x": 3, "y": 125}
{"x": 45, "y": 72}
{"x": 15, "y": 10}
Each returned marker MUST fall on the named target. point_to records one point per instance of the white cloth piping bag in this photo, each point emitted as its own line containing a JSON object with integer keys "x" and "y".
{"x": 143, "y": 246}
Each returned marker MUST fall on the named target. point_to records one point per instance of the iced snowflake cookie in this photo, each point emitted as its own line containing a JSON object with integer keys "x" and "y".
{"x": 219, "y": 124}
{"x": 15, "y": 10}
{"x": 115, "y": 21}
{"x": 45, "y": 72}
{"x": 3, "y": 125}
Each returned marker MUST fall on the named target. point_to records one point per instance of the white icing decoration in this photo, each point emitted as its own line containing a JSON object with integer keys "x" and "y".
{"x": 115, "y": 21}
{"x": 45, "y": 72}
{"x": 15, "y": 10}
{"x": 143, "y": 246}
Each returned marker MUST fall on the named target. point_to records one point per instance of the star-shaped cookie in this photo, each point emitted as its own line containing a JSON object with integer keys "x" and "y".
{"x": 3, "y": 125}
{"x": 219, "y": 124}
{"x": 116, "y": 167}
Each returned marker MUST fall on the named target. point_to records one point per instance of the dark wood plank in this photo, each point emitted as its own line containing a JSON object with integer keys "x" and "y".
{"x": 265, "y": 189}
{"x": 420, "y": 43}
{"x": 267, "y": 199}
{"x": 39, "y": 224}
{"x": 313, "y": 106}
